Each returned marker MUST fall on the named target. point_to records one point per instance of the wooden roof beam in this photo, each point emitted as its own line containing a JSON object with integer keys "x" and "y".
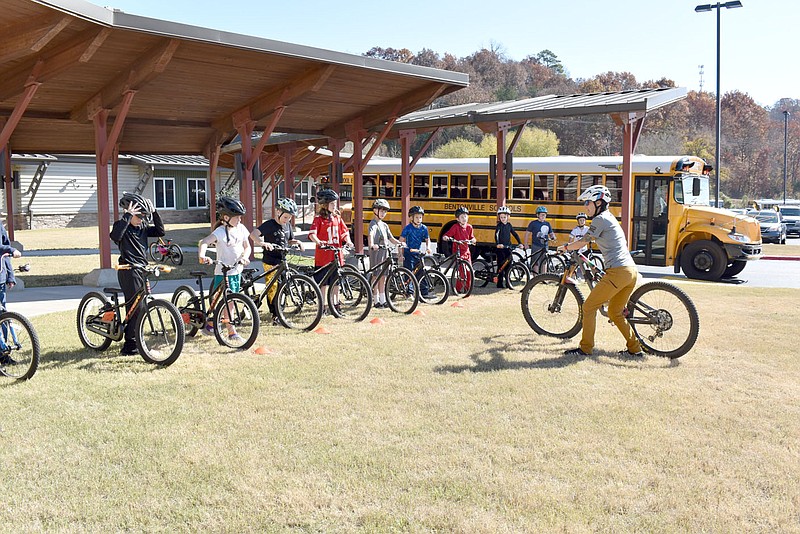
{"x": 54, "y": 62}
{"x": 143, "y": 70}
{"x": 21, "y": 41}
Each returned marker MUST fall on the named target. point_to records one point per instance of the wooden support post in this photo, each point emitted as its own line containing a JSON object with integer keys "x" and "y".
{"x": 500, "y": 172}
{"x": 406, "y": 138}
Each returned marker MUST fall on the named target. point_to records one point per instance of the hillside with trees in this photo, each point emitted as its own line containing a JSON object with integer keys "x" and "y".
{"x": 752, "y": 138}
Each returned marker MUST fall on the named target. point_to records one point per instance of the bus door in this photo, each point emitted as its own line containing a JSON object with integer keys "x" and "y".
{"x": 650, "y": 217}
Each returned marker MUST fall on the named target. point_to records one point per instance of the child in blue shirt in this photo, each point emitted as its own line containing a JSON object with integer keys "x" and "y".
{"x": 414, "y": 235}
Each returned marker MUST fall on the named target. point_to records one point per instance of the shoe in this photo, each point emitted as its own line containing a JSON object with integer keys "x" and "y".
{"x": 127, "y": 351}
{"x": 575, "y": 352}
{"x": 208, "y": 330}
{"x": 430, "y": 295}
{"x": 235, "y": 337}
{"x": 275, "y": 321}
{"x": 628, "y": 354}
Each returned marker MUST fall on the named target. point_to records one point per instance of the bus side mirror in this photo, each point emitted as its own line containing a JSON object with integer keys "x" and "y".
{"x": 696, "y": 187}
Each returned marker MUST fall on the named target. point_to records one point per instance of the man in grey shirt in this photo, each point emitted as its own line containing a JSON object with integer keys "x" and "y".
{"x": 619, "y": 281}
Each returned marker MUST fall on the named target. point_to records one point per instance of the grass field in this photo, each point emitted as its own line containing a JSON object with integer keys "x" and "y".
{"x": 186, "y": 235}
{"x": 460, "y": 420}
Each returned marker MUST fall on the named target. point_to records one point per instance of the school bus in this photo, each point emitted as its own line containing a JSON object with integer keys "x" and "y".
{"x": 672, "y": 223}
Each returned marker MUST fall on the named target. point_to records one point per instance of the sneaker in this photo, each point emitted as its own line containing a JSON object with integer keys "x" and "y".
{"x": 275, "y": 321}
{"x": 575, "y": 352}
{"x": 128, "y": 351}
{"x": 208, "y": 330}
{"x": 628, "y": 354}
{"x": 235, "y": 337}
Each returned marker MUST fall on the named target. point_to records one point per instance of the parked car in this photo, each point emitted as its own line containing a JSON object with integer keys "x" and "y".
{"x": 772, "y": 226}
{"x": 791, "y": 216}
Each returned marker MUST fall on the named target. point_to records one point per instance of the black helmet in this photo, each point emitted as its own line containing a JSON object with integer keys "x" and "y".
{"x": 462, "y": 211}
{"x": 229, "y": 206}
{"x": 325, "y": 196}
{"x": 138, "y": 204}
{"x": 416, "y": 209}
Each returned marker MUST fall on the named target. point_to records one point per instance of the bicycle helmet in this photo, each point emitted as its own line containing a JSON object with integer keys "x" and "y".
{"x": 462, "y": 211}
{"x": 380, "y": 204}
{"x": 596, "y": 192}
{"x": 229, "y": 206}
{"x": 541, "y": 209}
{"x": 138, "y": 204}
{"x": 581, "y": 215}
{"x": 287, "y": 205}
{"x": 503, "y": 209}
{"x": 416, "y": 209}
{"x": 326, "y": 196}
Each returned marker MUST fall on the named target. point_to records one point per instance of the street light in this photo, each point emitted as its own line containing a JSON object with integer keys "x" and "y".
{"x": 700, "y": 9}
{"x": 785, "y": 149}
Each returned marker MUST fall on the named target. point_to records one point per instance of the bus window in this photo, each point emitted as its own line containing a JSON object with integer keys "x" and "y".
{"x": 422, "y": 184}
{"x": 439, "y": 186}
{"x": 614, "y": 185}
{"x": 521, "y": 186}
{"x": 567, "y": 188}
{"x": 458, "y": 186}
{"x": 543, "y": 187}
{"x": 345, "y": 193}
{"x": 588, "y": 180}
{"x": 479, "y": 187}
{"x": 369, "y": 185}
{"x": 387, "y": 185}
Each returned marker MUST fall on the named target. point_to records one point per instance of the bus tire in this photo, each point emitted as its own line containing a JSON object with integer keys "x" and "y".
{"x": 734, "y": 268}
{"x": 704, "y": 260}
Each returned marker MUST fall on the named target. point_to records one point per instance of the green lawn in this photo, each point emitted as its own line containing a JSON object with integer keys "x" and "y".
{"x": 88, "y": 237}
{"x": 460, "y": 420}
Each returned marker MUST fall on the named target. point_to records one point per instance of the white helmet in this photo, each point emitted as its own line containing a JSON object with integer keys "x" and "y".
{"x": 503, "y": 209}
{"x": 381, "y": 203}
{"x": 596, "y": 192}
{"x": 581, "y": 215}
{"x": 287, "y": 205}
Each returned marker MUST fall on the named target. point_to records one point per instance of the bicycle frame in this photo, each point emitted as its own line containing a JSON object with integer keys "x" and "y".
{"x": 379, "y": 270}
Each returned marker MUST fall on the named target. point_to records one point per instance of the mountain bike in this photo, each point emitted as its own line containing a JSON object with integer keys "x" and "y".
{"x": 663, "y": 317}
{"x": 297, "y": 299}
{"x": 542, "y": 260}
{"x": 516, "y": 273}
{"x": 457, "y": 269}
{"x": 349, "y": 295}
{"x": 402, "y": 292}
{"x": 161, "y": 250}
{"x": 19, "y": 344}
{"x": 233, "y": 316}
{"x": 159, "y": 329}
{"x": 433, "y": 285}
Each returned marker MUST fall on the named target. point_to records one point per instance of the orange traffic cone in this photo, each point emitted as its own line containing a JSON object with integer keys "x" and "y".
{"x": 377, "y": 321}
{"x": 263, "y": 350}
{"x": 322, "y": 330}
{"x": 457, "y": 304}
{"x": 419, "y": 312}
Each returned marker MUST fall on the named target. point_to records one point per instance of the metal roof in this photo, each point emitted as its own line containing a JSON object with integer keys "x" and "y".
{"x": 189, "y": 82}
{"x": 168, "y": 161}
{"x": 542, "y": 107}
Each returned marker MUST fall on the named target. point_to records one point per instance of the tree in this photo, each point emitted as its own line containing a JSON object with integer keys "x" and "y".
{"x": 534, "y": 142}
{"x": 458, "y": 148}
{"x": 548, "y": 59}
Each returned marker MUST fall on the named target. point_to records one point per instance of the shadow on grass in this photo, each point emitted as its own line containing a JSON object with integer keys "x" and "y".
{"x": 88, "y": 360}
{"x": 492, "y": 358}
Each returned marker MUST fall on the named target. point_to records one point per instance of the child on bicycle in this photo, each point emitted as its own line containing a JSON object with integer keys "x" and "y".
{"x": 379, "y": 235}
{"x": 233, "y": 248}
{"x": 619, "y": 281}
{"x": 578, "y": 232}
{"x": 275, "y": 232}
{"x": 328, "y": 228}
{"x": 462, "y": 232}
{"x": 502, "y": 236}
{"x": 538, "y": 234}
{"x": 413, "y": 236}
{"x": 130, "y": 233}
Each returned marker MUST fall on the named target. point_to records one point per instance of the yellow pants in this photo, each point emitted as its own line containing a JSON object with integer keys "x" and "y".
{"x": 274, "y": 288}
{"x": 615, "y": 288}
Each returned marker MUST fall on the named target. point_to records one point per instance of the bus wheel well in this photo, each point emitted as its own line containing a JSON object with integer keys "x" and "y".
{"x": 704, "y": 259}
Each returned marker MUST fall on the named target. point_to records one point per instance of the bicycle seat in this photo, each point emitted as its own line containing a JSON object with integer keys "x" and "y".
{"x": 247, "y": 272}
{"x": 112, "y": 290}
{"x": 198, "y": 274}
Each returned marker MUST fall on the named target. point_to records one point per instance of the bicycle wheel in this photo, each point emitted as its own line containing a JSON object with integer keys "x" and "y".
{"x": 550, "y": 308}
{"x": 483, "y": 271}
{"x": 554, "y": 264}
{"x": 175, "y": 255}
{"x": 92, "y": 329}
{"x": 462, "y": 278}
{"x": 19, "y": 346}
{"x": 664, "y": 319}
{"x": 438, "y": 287}
{"x": 597, "y": 259}
{"x": 153, "y": 252}
{"x": 354, "y": 294}
{"x": 402, "y": 293}
{"x": 236, "y": 321}
{"x": 517, "y": 276}
{"x": 185, "y": 299}
{"x": 299, "y": 303}
{"x": 159, "y": 333}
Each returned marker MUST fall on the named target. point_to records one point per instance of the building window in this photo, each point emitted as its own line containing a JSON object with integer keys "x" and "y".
{"x": 197, "y": 192}
{"x": 164, "y": 193}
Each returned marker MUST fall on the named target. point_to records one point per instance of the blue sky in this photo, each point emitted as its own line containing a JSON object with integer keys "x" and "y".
{"x": 649, "y": 38}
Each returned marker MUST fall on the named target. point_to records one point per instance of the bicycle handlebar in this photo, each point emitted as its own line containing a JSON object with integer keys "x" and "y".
{"x": 152, "y": 269}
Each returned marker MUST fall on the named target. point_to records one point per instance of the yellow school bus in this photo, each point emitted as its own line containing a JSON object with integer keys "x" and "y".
{"x": 671, "y": 221}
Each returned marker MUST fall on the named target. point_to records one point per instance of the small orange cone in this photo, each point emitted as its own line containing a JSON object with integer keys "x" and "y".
{"x": 419, "y": 312}
{"x": 263, "y": 350}
{"x": 377, "y": 321}
{"x": 457, "y": 304}
{"x": 322, "y": 330}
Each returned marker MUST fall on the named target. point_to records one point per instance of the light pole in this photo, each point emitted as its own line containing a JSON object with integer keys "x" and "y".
{"x": 785, "y": 149}
{"x": 699, "y": 9}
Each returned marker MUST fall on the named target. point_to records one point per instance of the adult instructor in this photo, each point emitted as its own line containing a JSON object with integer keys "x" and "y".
{"x": 619, "y": 281}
